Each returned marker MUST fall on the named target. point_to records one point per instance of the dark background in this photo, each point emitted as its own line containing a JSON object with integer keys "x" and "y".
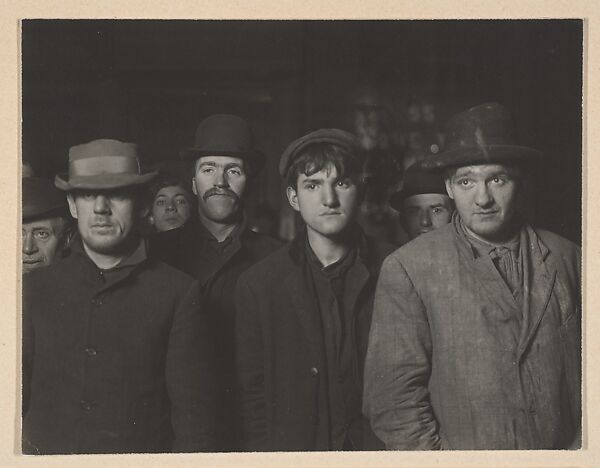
{"x": 151, "y": 82}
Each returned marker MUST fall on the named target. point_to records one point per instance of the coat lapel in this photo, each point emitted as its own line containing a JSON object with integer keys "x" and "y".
{"x": 539, "y": 285}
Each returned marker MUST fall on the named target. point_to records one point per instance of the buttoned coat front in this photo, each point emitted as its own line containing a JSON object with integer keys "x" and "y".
{"x": 115, "y": 362}
{"x": 280, "y": 350}
{"x": 452, "y": 361}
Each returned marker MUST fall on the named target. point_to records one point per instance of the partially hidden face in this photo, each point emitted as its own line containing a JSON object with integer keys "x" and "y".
{"x": 42, "y": 240}
{"x": 219, "y": 183}
{"x": 425, "y": 212}
{"x": 170, "y": 208}
{"x": 486, "y": 199}
{"x": 327, "y": 203}
{"x": 105, "y": 218}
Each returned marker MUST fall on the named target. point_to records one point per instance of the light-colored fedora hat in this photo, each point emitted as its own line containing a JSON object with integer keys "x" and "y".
{"x": 102, "y": 165}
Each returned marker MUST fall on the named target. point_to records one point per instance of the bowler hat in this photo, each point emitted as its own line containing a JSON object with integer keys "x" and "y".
{"x": 41, "y": 199}
{"x": 323, "y": 135}
{"x": 224, "y": 135}
{"x": 101, "y": 165}
{"x": 417, "y": 182}
{"x": 483, "y": 134}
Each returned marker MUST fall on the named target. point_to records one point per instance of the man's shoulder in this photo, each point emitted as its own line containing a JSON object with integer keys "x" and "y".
{"x": 430, "y": 245}
{"x": 557, "y": 243}
{"x": 270, "y": 269}
{"x": 262, "y": 243}
{"x": 166, "y": 273}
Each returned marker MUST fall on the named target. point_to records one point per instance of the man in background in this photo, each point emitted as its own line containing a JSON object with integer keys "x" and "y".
{"x": 46, "y": 224}
{"x": 423, "y": 203}
{"x": 171, "y": 203}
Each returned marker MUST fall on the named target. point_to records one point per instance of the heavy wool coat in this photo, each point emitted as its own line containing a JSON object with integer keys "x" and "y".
{"x": 281, "y": 361}
{"x": 454, "y": 364}
{"x": 115, "y": 362}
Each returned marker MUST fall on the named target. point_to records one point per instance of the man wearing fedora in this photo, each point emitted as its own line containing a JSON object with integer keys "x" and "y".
{"x": 216, "y": 246}
{"x": 46, "y": 224}
{"x": 115, "y": 354}
{"x": 304, "y": 312}
{"x": 423, "y": 202}
{"x": 476, "y": 334}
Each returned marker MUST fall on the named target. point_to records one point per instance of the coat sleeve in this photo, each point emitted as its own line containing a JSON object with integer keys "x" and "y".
{"x": 398, "y": 365}
{"x": 250, "y": 369}
{"x": 190, "y": 376}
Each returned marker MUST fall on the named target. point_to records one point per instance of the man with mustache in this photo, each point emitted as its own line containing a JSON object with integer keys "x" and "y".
{"x": 423, "y": 202}
{"x": 115, "y": 345}
{"x": 216, "y": 246}
{"x": 46, "y": 224}
{"x": 303, "y": 313}
{"x": 476, "y": 334}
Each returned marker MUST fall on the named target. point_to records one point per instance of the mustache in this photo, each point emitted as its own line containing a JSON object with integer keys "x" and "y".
{"x": 220, "y": 191}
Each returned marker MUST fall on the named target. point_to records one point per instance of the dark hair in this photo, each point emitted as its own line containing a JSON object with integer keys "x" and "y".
{"x": 166, "y": 180}
{"x": 318, "y": 156}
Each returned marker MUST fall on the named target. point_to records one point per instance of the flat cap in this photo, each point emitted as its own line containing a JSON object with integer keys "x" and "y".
{"x": 324, "y": 135}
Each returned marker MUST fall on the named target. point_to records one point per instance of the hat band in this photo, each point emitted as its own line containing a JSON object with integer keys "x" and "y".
{"x": 104, "y": 165}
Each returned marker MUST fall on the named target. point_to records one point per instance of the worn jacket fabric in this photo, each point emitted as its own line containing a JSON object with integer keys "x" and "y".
{"x": 282, "y": 365}
{"x": 184, "y": 249}
{"x": 451, "y": 364}
{"x": 116, "y": 361}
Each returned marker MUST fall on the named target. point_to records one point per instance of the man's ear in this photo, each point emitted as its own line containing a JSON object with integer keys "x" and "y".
{"x": 292, "y": 197}
{"x": 151, "y": 220}
{"x": 449, "y": 188}
{"x": 72, "y": 206}
{"x": 194, "y": 189}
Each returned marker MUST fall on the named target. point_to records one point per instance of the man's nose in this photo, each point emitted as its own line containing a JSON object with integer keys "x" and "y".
{"x": 101, "y": 204}
{"x": 29, "y": 245}
{"x": 171, "y": 206}
{"x": 221, "y": 179}
{"x": 483, "y": 197}
{"x": 330, "y": 196}
{"x": 425, "y": 218}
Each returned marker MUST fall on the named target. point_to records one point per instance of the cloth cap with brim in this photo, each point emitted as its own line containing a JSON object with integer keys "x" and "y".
{"x": 418, "y": 182}
{"x": 41, "y": 199}
{"x": 224, "y": 135}
{"x": 333, "y": 136}
{"x": 103, "y": 165}
{"x": 483, "y": 134}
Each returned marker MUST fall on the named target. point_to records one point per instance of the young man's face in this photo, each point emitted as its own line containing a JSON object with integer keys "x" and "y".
{"x": 41, "y": 242}
{"x": 425, "y": 212}
{"x": 328, "y": 204}
{"x": 105, "y": 218}
{"x": 170, "y": 209}
{"x": 219, "y": 184}
{"x": 486, "y": 199}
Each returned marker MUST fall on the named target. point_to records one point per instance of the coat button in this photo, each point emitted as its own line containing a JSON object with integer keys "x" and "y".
{"x": 90, "y": 351}
{"x": 314, "y": 371}
{"x": 86, "y": 405}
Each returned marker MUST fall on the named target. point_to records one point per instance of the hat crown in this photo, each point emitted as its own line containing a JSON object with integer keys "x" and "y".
{"x": 41, "y": 197}
{"x": 224, "y": 133}
{"x": 480, "y": 126}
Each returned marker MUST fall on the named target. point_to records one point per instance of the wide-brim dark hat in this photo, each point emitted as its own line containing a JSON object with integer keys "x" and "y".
{"x": 416, "y": 181}
{"x": 102, "y": 165}
{"x": 483, "y": 134}
{"x": 41, "y": 199}
{"x": 324, "y": 135}
{"x": 224, "y": 135}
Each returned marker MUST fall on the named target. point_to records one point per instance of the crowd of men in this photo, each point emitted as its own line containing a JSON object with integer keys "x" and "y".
{"x": 156, "y": 320}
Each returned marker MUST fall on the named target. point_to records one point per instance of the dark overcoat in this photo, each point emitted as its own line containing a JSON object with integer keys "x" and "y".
{"x": 115, "y": 362}
{"x": 281, "y": 361}
{"x": 183, "y": 249}
{"x": 454, "y": 363}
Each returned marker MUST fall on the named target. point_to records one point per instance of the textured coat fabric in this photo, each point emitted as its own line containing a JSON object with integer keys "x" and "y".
{"x": 115, "y": 362}
{"x": 451, "y": 366}
{"x": 281, "y": 358}
{"x": 184, "y": 249}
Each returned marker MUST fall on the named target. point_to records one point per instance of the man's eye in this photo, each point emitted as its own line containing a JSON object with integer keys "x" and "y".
{"x": 41, "y": 234}
{"x": 436, "y": 210}
{"x": 160, "y": 202}
{"x": 343, "y": 183}
{"x": 181, "y": 201}
{"x": 207, "y": 170}
{"x": 464, "y": 182}
{"x": 87, "y": 196}
{"x": 310, "y": 186}
{"x": 235, "y": 171}
{"x": 498, "y": 180}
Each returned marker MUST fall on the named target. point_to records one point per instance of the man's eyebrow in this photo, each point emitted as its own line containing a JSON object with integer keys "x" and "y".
{"x": 207, "y": 163}
{"x": 312, "y": 180}
{"x": 230, "y": 165}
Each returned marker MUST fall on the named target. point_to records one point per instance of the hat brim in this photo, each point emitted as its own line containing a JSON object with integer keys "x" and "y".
{"x": 102, "y": 181}
{"x": 492, "y": 154}
{"x": 36, "y": 213}
{"x": 256, "y": 158}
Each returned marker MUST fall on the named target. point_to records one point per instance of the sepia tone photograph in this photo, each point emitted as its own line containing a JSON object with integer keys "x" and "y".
{"x": 293, "y": 236}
